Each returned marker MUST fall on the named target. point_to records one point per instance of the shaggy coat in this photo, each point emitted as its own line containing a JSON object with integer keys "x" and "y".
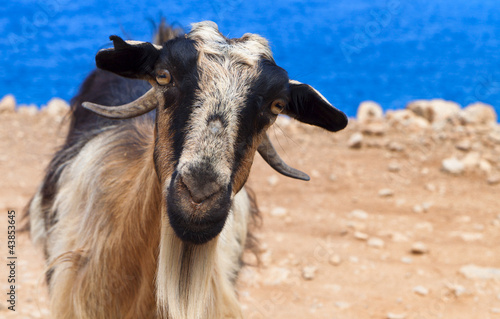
{"x": 143, "y": 212}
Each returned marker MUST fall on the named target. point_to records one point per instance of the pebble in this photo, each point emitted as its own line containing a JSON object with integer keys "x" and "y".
{"x": 8, "y": 104}
{"x": 361, "y": 236}
{"x": 342, "y": 305}
{"x": 369, "y": 111}
{"x": 394, "y": 167}
{"x": 417, "y": 209}
{"x": 309, "y": 272}
{"x": 493, "y": 179}
{"x": 495, "y": 310}
{"x": 395, "y": 147}
{"x": 391, "y": 315}
{"x": 30, "y": 110}
{"x": 273, "y": 180}
{"x": 332, "y": 177}
{"x": 477, "y": 272}
{"x": 335, "y": 260}
{"x": 463, "y": 145}
{"x": 385, "y": 192}
{"x": 457, "y": 290}
{"x": 421, "y": 290}
{"x": 359, "y": 214}
{"x": 279, "y": 212}
{"x": 453, "y": 166}
{"x": 407, "y": 260}
{"x": 376, "y": 242}
{"x": 377, "y": 129}
{"x": 355, "y": 141}
{"x": 419, "y": 248}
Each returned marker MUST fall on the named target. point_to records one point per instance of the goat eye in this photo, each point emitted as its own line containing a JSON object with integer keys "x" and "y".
{"x": 277, "y": 106}
{"x": 163, "y": 77}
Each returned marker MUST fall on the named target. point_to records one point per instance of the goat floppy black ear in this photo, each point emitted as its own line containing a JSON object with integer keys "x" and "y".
{"x": 130, "y": 59}
{"x": 309, "y": 106}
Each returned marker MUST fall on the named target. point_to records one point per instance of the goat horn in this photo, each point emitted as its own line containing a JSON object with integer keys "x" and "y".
{"x": 269, "y": 154}
{"x": 142, "y": 105}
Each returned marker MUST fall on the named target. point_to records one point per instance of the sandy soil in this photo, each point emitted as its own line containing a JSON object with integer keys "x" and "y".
{"x": 338, "y": 246}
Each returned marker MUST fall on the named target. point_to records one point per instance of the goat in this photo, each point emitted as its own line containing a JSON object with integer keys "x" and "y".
{"x": 143, "y": 212}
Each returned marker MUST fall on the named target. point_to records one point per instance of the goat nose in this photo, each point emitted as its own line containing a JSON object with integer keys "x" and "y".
{"x": 200, "y": 187}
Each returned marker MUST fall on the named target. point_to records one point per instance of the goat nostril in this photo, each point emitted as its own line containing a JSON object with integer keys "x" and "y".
{"x": 200, "y": 190}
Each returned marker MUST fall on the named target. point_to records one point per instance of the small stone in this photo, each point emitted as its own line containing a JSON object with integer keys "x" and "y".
{"x": 419, "y": 248}
{"x": 430, "y": 187}
{"x": 361, "y": 236}
{"x": 395, "y": 147}
{"x": 493, "y": 179}
{"x": 417, "y": 209}
{"x": 335, "y": 260}
{"x": 57, "y": 107}
{"x": 495, "y": 310}
{"x": 342, "y": 305}
{"x": 8, "y": 104}
{"x": 385, "y": 192}
{"x": 332, "y": 177}
{"x": 368, "y": 112}
{"x": 426, "y": 206}
{"x": 478, "y": 113}
{"x": 273, "y": 180}
{"x": 463, "y": 145}
{"x": 407, "y": 260}
{"x": 391, "y": 315}
{"x": 457, "y": 290}
{"x": 377, "y": 129}
{"x": 394, "y": 167}
{"x": 355, "y": 141}
{"x": 359, "y": 214}
{"x": 421, "y": 290}
{"x": 354, "y": 259}
{"x": 477, "y": 272}
{"x": 471, "y": 160}
{"x": 453, "y": 166}
{"x": 278, "y": 212}
{"x": 485, "y": 166}
{"x": 29, "y": 110}
{"x": 309, "y": 272}
{"x": 399, "y": 237}
{"x": 376, "y": 242}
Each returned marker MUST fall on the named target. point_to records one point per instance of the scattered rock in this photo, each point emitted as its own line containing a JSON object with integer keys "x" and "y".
{"x": 359, "y": 214}
{"x": 421, "y": 290}
{"x": 395, "y": 147}
{"x": 57, "y": 107}
{"x": 385, "y": 192}
{"x": 467, "y": 236}
{"x": 276, "y": 275}
{"x": 419, "y": 248}
{"x": 309, "y": 272}
{"x": 355, "y": 141}
{"x": 493, "y": 179}
{"x": 463, "y": 145}
{"x": 453, "y": 166}
{"x": 279, "y": 212}
{"x": 407, "y": 260}
{"x": 495, "y": 310}
{"x": 494, "y": 136}
{"x": 8, "y": 104}
{"x": 376, "y": 242}
{"x": 477, "y": 272}
{"x": 436, "y": 110}
{"x": 377, "y": 129}
{"x": 360, "y": 235}
{"x": 394, "y": 167}
{"x": 335, "y": 260}
{"x": 478, "y": 114}
{"x": 471, "y": 160}
{"x": 456, "y": 289}
{"x": 29, "y": 110}
{"x": 342, "y": 305}
{"x": 391, "y": 315}
{"x": 273, "y": 180}
{"x": 332, "y": 177}
{"x": 368, "y": 112}
{"x": 485, "y": 166}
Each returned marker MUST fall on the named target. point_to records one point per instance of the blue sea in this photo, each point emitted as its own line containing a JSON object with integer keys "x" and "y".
{"x": 389, "y": 51}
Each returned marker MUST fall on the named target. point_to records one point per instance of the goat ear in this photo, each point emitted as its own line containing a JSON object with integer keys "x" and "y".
{"x": 309, "y": 106}
{"x": 130, "y": 59}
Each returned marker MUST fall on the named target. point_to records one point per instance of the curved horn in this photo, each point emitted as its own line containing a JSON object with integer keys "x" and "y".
{"x": 269, "y": 154}
{"x": 142, "y": 105}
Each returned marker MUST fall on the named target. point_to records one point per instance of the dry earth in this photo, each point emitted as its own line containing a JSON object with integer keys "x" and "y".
{"x": 339, "y": 246}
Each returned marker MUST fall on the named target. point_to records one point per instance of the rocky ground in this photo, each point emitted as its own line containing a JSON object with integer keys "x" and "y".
{"x": 400, "y": 218}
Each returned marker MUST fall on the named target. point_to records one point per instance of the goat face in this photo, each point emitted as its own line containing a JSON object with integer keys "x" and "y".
{"x": 214, "y": 99}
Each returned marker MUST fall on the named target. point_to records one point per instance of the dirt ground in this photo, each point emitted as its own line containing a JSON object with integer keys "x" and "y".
{"x": 338, "y": 246}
